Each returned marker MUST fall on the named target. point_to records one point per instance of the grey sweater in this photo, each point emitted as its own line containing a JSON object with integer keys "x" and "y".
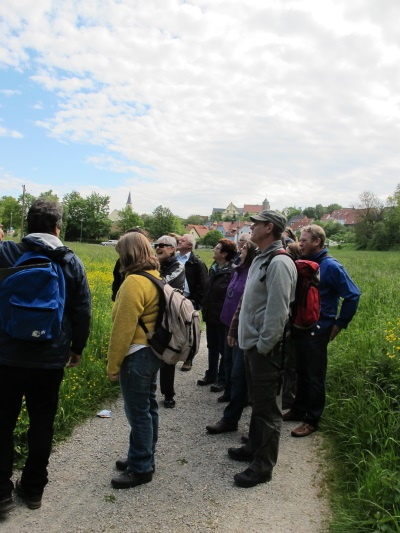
{"x": 265, "y": 306}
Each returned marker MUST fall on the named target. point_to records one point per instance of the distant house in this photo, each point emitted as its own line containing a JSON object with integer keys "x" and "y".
{"x": 347, "y": 216}
{"x": 197, "y": 231}
{"x": 234, "y": 212}
{"x": 114, "y": 216}
{"x": 298, "y": 222}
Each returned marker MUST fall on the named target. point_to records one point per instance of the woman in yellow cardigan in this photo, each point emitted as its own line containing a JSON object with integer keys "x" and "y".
{"x": 131, "y": 360}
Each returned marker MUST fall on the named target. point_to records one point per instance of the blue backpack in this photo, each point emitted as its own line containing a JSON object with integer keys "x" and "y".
{"x": 32, "y": 298}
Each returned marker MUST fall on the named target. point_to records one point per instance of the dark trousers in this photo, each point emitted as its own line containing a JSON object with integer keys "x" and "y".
{"x": 215, "y": 334}
{"x": 289, "y": 373}
{"x": 311, "y": 363}
{"x": 167, "y": 379}
{"x": 40, "y": 388}
{"x": 233, "y": 411}
{"x": 228, "y": 365}
{"x": 263, "y": 372}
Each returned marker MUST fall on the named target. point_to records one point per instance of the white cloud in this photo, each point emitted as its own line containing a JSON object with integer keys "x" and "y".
{"x": 5, "y": 132}
{"x": 206, "y": 101}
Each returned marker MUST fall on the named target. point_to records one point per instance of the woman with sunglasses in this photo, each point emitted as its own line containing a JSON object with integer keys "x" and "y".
{"x": 173, "y": 273}
{"x": 131, "y": 360}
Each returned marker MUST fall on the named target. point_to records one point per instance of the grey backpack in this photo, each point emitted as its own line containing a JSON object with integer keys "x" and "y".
{"x": 177, "y": 332}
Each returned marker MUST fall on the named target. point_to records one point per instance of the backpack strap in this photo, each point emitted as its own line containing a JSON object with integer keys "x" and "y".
{"x": 162, "y": 303}
{"x": 265, "y": 265}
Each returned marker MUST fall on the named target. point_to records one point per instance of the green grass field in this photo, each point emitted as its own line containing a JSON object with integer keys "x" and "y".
{"x": 361, "y": 420}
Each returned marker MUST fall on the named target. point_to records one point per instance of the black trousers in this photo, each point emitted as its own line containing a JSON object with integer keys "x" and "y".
{"x": 167, "y": 379}
{"x": 40, "y": 388}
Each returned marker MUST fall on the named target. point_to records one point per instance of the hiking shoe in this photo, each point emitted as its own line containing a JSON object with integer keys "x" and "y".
{"x": 33, "y": 501}
{"x": 187, "y": 365}
{"x": 129, "y": 479}
{"x": 303, "y": 431}
{"x": 217, "y": 387}
{"x": 169, "y": 403}
{"x": 121, "y": 464}
{"x": 249, "y": 478}
{"x": 239, "y": 454}
{"x": 205, "y": 381}
{"x": 7, "y": 504}
{"x": 221, "y": 427}
{"x": 291, "y": 416}
{"x": 224, "y": 398}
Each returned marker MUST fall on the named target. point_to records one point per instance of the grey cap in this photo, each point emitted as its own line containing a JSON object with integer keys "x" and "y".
{"x": 271, "y": 216}
{"x": 166, "y": 239}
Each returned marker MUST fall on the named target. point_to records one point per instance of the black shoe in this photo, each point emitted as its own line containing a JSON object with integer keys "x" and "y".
{"x": 7, "y": 504}
{"x": 249, "y": 478}
{"x": 121, "y": 464}
{"x": 33, "y": 501}
{"x": 187, "y": 366}
{"x": 221, "y": 427}
{"x": 239, "y": 454}
{"x": 217, "y": 387}
{"x": 244, "y": 439}
{"x": 205, "y": 381}
{"x": 224, "y": 398}
{"x": 169, "y": 403}
{"x": 129, "y": 479}
{"x": 291, "y": 416}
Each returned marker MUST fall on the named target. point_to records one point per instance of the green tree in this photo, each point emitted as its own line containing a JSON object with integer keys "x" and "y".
{"x": 333, "y": 207}
{"x": 392, "y": 217}
{"x": 370, "y": 214}
{"x": 290, "y": 212}
{"x": 309, "y": 212}
{"x": 74, "y": 216}
{"x": 96, "y": 221}
{"x": 162, "y": 222}
{"x": 212, "y": 237}
{"x": 10, "y": 212}
{"x": 128, "y": 219}
{"x": 319, "y": 211}
{"x": 216, "y": 217}
{"x": 194, "y": 219}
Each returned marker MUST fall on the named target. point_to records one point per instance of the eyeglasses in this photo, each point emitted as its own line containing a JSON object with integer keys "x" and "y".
{"x": 161, "y": 245}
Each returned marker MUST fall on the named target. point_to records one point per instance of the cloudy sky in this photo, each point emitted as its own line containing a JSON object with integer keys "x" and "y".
{"x": 193, "y": 104}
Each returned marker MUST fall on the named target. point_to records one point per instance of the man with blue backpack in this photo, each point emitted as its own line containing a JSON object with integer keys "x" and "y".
{"x": 44, "y": 326}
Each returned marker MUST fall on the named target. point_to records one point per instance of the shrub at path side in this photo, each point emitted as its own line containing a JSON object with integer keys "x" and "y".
{"x": 362, "y": 413}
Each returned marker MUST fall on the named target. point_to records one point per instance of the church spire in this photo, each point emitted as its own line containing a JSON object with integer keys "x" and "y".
{"x": 129, "y": 201}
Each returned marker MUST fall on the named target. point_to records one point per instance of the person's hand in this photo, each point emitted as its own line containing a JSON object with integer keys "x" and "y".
{"x": 113, "y": 377}
{"x": 74, "y": 360}
{"x": 334, "y": 332}
{"x": 231, "y": 341}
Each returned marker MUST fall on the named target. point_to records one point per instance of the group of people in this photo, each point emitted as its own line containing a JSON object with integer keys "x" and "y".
{"x": 245, "y": 298}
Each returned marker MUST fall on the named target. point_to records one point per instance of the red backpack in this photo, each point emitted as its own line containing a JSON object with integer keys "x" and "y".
{"x": 305, "y": 309}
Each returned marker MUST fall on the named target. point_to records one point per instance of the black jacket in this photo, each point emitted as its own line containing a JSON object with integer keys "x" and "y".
{"x": 215, "y": 292}
{"x": 76, "y": 319}
{"x": 173, "y": 273}
{"x": 196, "y": 277}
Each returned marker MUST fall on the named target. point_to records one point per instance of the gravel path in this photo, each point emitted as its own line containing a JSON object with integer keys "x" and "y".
{"x": 192, "y": 489}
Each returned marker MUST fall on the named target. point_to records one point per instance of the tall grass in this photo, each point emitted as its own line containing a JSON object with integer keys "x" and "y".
{"x": 362, "y": 412}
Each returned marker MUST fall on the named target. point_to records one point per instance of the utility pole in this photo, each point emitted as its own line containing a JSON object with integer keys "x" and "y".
{"x": 23, "y": 211}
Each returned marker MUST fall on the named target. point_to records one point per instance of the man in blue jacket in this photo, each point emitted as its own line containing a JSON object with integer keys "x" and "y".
{"x": 311, "y": 346}
{"x": 35, "y": 369}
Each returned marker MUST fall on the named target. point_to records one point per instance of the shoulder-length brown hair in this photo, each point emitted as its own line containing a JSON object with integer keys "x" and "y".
{"x": 136, "y": 253}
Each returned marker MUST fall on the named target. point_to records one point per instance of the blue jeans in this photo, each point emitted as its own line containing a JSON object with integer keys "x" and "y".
{"x": 138, "y": 380}
{"x": 233, "y": 411}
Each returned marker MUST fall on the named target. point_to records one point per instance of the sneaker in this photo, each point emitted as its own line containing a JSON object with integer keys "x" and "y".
{"x": 303, "y": 431}
{"x": 7, "y": 504}
{"x": 249, "y": 478}
{"x": 187, "y": 365}
{"x": 33, "y": 501}
{"x": 169, "y": 403}
{"x": 129, "y": 479}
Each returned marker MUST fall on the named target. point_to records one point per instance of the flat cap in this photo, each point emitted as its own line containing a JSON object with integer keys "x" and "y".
{"x": 269, "y": 215}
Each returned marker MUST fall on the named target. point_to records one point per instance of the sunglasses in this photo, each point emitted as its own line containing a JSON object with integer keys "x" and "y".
{"x": 161, "y": 245}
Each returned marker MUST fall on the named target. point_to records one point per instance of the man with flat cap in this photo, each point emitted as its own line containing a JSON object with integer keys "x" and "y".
{"x": 269, "y": 290}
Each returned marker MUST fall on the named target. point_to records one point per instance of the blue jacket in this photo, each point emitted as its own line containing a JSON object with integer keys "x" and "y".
{"x": 76, "y": 320}
{"x": 335, "y": 283}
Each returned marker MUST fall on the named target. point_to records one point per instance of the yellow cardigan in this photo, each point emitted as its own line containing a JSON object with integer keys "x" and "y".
{"x": 137, "y": 297}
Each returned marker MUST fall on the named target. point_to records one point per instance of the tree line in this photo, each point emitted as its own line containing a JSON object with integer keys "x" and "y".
{"x": 87, "y": 219}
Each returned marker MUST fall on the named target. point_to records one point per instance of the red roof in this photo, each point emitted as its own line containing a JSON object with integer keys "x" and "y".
{"x": 250, "y": 208}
